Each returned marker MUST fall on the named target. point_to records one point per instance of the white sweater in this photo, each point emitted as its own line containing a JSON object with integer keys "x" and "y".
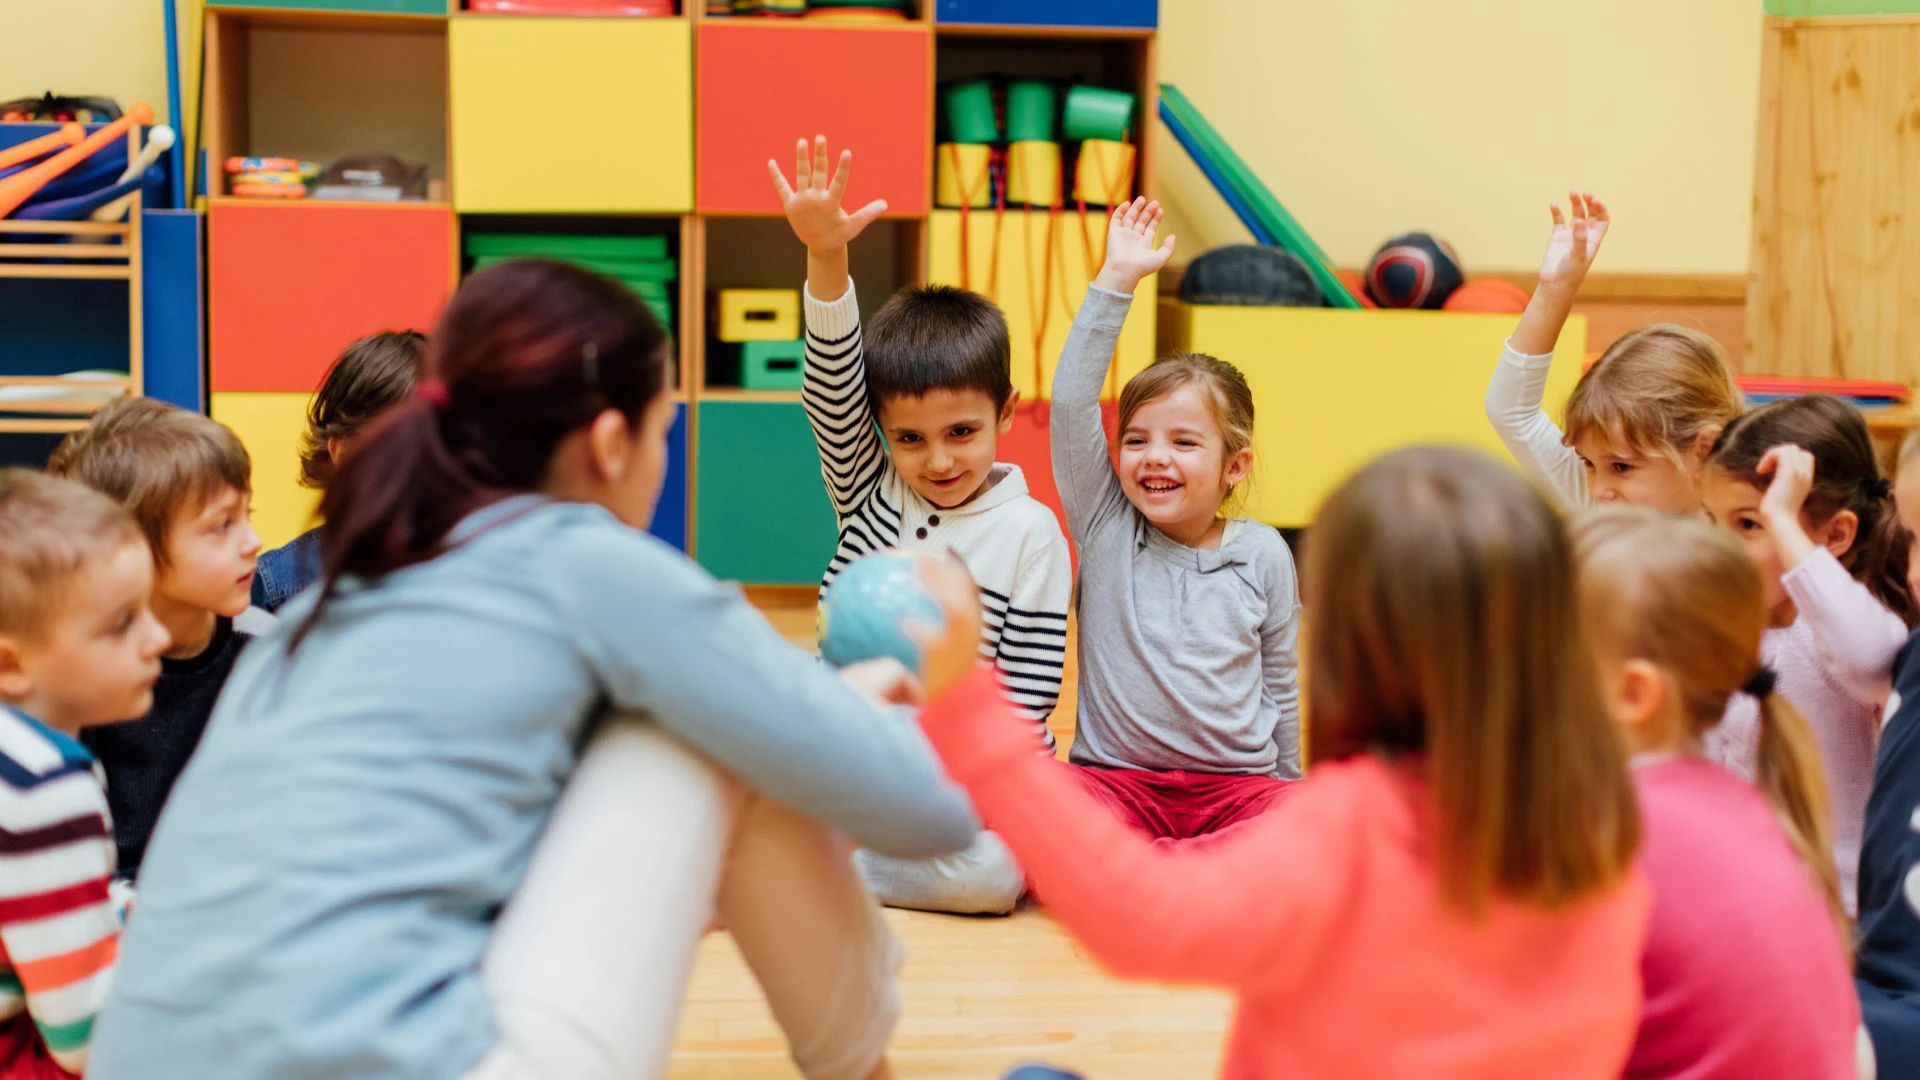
{"x": 1009, "y": 540}
{"x": 1515, "y": 406}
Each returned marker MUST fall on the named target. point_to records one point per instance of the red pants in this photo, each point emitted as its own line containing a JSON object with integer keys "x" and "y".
{"x": 23, "y": 1056}
{"x": 1176, "y": 807}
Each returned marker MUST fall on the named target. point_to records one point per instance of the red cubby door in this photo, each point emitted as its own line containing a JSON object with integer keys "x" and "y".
{"x": 761, "y": 87}
{"x": 289, "y": 286}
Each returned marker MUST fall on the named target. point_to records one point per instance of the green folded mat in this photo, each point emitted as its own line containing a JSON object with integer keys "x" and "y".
{"x": 638, "y": 269}
{"x": 560, "y": 245}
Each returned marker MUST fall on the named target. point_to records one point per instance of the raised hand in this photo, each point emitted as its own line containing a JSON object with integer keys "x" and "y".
{"x": 1574, "y": 241}
{"x": 1792, "y": 472}
{"x": 1131, "y": 254}
{"x": 812, "y": 201}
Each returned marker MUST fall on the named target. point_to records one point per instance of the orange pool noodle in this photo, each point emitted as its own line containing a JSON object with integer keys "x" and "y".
{"x": 68, "y": 135}
{"x": 20, "y": 187}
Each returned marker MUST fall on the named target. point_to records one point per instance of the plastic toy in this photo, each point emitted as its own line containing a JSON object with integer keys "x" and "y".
{"x": 1033, "y": 174}
{"x": 19, "y": 187}
{"x": 1095, "y": 112}
{"x": 1104, "y": 174}
{"x": 970, "y": 116}
{"x": 962, "y": 175}
{"x": 1030, "y": 111}
{"x": 1493, "y": 295}
{"x": 867, "y": 608}
{"x": 1413, "y": 270}
{"x": 68, "y": 135}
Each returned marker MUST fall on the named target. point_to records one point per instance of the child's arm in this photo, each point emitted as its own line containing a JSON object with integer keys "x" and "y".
{"x": 1519, "y": 386}
{"x": 59, "y": 922}
{"x": 1033, "y": 636}
{"x": 1082, "y": 469}
{"x": 1856, "y": 635}
{"x": 1242, "y": 912}
{"x": 834, "y": 380}
{"x": 1280, "y": 665}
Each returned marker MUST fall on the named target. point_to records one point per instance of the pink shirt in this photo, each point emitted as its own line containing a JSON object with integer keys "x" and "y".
{"x": 1324, "y": 917}
{"x": 1743, "y": 968}
{"x": 1835, "y": 665}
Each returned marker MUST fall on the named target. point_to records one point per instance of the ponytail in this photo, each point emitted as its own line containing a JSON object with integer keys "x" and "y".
{"x": 525, "y": 354}
{"x": 1881, "y": 553}
{"x": 1789, "y": 775}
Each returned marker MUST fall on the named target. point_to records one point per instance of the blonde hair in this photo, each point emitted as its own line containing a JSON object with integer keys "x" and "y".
{"x": 155, "y": 459}
{"x": 1221, "y": 384}
{"x": 1424, "y": 568}
{"x": 1685, "y": 597}
{"x": 49, "y": 529}
{"x": 1662, "y": 390}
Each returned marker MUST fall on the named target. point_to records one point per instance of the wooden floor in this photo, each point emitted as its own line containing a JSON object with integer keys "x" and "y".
{"x": 981, "y": 995}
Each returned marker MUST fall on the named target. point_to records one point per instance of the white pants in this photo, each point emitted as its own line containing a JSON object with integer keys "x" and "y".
{"x": 587, "y": 965}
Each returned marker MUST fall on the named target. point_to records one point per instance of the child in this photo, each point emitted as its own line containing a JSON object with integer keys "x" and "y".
{"x": 1745, "y": 967}
{"x": 1887, "y": 959}
{"x": 1451, "y": 891}
{"x": 78, "y": 647}
{"x": 371, "y": 868}
{"x": 1189, "y": 704}
{"x": 373, "y": 375}
{"x": 1798, "y": 481}
{"x": 186, "y": 481}
{"x": 933, "y": 369}
{"x": 1640, "y": 419}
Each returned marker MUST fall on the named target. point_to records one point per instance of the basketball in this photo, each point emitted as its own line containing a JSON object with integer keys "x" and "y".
{"x": 1495, "y": 295}
{"x": 1413, "y": 270}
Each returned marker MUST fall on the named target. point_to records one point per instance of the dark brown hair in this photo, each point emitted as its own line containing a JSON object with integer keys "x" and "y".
{"x": 525, "y": 354}
{"x": 156, "y": 460}
{"x": 1846, "y": 476}
{"x": 371, "y": 376}
{"x": 1446, "y": 628}
{"x": 49, "y": 529}
{"x": 938, "y": 338}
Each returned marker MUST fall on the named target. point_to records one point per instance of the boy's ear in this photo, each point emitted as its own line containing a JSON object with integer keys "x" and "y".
{"x": 14, "y": 683}
{"x": 1006, "y": 411}
{"x": 1839, "y": 533}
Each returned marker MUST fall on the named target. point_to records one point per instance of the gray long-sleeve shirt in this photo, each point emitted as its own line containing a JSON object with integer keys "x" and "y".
{"x": 1187, "y": 656}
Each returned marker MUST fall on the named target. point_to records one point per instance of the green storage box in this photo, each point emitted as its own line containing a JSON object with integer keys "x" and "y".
{"x": 771, "y": 365}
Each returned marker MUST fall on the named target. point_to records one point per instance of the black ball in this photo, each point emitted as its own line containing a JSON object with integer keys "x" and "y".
{"x": 1413, "y": 270}
{"x": 1250, "y": 275}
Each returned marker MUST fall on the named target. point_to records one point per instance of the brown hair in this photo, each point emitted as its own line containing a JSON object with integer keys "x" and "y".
{"x": 1846, "y": 476}
{"x": 156, "y": 460}
{"x": 1220, "y": 383}
{"x": 371, "y": 376}
{"x": 49, "y": 529}
{"x": 526, "y": 354}
{"x": 937, "y": 337}
{"x": 1446, "y": 625}
{"x": 1685, "y": 597}
{"x": 1661, "y": 390}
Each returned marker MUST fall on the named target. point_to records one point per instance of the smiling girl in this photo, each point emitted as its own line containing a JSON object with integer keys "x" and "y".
{"x": 1640, "y": 420}
{"x": 1189, "y": 700}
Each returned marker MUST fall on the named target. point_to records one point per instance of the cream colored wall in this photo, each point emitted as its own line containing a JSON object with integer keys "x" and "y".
{"x": 1371, "y": 117}
{"x": 116, "y": 48}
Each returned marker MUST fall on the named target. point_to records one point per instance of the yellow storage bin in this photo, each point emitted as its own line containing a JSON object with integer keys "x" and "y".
{"x": 572, "y": 115}
{"x": 1333, "y": 389}
{"x": 273, "y": 427}
{"x": 962, "y": 174}
{"x": 1036, "y": 266}
{"x": 758, "y": 315}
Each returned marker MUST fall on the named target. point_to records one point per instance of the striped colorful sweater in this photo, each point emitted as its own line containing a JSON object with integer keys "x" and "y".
{"x": 59, "y": 921}
{"x": 1009, "y": 540}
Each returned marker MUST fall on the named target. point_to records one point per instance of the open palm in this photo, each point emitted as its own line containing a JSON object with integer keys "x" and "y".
{"x": 1574, "y": 241}
{"x": 812, "y": 201}
{"x": 1131, "y": 252}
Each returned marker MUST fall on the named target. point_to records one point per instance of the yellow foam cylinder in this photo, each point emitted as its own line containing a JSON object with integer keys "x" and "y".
{"x": 1033, "y": 173}
{"x": 960, "y": 175}
{"x": 759, "y": 315}
{"x": 1104, "y": 174}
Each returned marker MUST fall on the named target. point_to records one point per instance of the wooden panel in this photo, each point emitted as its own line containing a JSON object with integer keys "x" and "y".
{"x": 290, "y": 286}
{"x": 373, "y": 7}
{"x": 761, "y": 506}
{"x": 762, "y": 86}
{"x": 575, "y": 115}
{"x": 273, "y": 427}
{"x": 1836, "y": 227}
{"x": 1333, "y": 389}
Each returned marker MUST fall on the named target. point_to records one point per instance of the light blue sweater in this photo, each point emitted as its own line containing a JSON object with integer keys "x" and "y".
{"x": 320, "y": 890}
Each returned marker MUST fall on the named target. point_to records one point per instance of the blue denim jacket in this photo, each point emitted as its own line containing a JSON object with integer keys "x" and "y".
{"x": 287, "y": 570}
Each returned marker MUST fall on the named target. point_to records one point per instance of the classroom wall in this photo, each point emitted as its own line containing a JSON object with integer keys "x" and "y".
{"x": 1371, "y": 117}
{"x": 116, "y": 48}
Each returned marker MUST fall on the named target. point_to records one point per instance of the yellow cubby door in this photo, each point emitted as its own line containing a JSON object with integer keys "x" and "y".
{"x": 572, "y": 115}
{"x": 273, "y": 427}
{"x": 1036, "y": 265}
{"x": 1334, "y": 389}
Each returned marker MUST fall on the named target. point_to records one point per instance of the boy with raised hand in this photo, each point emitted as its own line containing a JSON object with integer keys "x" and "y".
{"x": 932, "y": 374}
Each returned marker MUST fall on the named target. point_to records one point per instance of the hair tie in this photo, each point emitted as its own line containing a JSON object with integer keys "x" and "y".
{"x": 434, "y": 393}
{"x": 1882, "y": 488}
{"x": 1760, "y": 683}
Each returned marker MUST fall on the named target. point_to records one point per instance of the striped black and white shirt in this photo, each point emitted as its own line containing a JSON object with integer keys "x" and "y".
{"x": 1010, "y": 541}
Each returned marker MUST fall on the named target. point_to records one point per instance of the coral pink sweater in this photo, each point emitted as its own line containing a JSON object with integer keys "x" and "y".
{"x": 1324, "y": 917}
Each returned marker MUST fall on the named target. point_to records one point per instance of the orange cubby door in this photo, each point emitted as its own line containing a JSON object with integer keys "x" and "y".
{"x": 761, "y": 87}
{"x": 290, "y": 286}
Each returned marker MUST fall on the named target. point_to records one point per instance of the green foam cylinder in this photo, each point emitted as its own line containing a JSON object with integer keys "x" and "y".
{"x": 970, "y": 116}
{"x": 1030, "y": 111}
{"x": 1095, "y": 112}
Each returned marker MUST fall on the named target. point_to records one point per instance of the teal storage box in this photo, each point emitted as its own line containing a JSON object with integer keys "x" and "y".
{"x": 771, "y": 365}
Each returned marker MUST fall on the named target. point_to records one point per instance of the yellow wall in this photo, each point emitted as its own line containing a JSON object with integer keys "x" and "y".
{"x": 116, "y": 48}
{"x": 1371, "y": 117}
